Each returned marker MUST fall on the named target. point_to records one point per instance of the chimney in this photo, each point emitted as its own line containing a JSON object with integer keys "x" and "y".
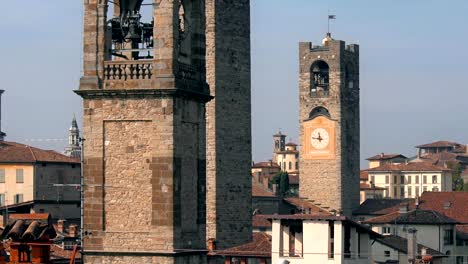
{"x": 403, "y": 208}
{"x": 416, "y": 201}
{"x": 423, "y": 251}
{"x": 72, "y": 230}
{"x": 412, "y": 245}
{"x": 60, "y": 225}
{"x": 2, "y": 135}
{"x": 271, "y": 163}
{"x": 211, "y": 244}
{"x": 382, "y": 155}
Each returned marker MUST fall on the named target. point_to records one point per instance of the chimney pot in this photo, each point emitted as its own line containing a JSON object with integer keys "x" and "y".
{"x": 60, "y": 225}
{"x": 403, "y": 209}
{"x": 72, "y": 230}
{"x": 211, "y": 244}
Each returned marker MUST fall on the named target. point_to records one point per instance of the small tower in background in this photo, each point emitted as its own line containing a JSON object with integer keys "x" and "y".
{"x": 279, "y": 140}
{"x": 73, "y": 149}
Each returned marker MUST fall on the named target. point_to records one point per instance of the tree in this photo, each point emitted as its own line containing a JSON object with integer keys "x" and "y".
{"x": 284, "y": 184}
{"x": 457, "y": 180}
{"x": 282, "y": 181}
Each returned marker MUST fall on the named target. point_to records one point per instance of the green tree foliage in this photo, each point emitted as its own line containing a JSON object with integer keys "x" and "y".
{"x": 282, "y": 180}
{"x": 457, "y": 180}
{"x": 284, "y": 184}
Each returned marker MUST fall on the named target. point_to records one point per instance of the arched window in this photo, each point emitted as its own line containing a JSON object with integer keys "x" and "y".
{"x": 319, "y": 79}
{"x": 319, "y": 111}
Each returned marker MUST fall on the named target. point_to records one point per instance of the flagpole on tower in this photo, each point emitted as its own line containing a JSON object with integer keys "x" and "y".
{"x": 330, "y": 17}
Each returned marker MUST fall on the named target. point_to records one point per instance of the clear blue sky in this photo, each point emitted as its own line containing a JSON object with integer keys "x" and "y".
{"x": 414, "y": 68}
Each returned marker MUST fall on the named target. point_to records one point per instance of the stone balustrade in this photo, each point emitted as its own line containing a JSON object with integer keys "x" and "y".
{"x": 128, "y": 70}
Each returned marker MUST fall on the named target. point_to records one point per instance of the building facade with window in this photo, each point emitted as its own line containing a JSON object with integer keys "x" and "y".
{"x": 33, "y": 179}
{"x": 408, "y": 180}
{"x": 434, "y": 230}
{"x": 314, "y": 238}
{"x": 288, "y": 158}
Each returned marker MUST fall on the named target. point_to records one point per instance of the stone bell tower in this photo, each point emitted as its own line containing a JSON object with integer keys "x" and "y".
{"x": 144, "y": 94}
{"x": 329, "y": 124}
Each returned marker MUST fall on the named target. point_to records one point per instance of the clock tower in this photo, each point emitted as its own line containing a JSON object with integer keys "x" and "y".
{"x": 329, "y": 124}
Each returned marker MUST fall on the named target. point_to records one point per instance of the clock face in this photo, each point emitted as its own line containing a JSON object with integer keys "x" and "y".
{"x": 319, "y": 138}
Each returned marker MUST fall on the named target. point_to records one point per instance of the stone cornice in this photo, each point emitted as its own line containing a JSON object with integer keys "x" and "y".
{"x": 147, "y": 93}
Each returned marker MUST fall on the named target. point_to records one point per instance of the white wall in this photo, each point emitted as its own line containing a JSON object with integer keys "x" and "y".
{"x": 316, "y": 243}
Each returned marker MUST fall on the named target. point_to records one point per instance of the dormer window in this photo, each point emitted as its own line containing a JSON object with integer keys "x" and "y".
{"x": 319, "y": 83}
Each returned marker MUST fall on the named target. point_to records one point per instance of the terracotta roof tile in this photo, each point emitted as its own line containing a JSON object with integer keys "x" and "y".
{"x": 265, "y": 164}
{"x": 28, "y": 227}
{"x": 364, "y": 175}
{"x": 379, "y": 206}
{"x": 291, "y": 144}
{"x": 412, "y": 166}
{"x": 259, "y": 191}
{"x": 12, "y": 152}
{"x": 412, "y": 217}
{"x": 259, "y": 221}
{"x": 439, "y": 144}
{"x": 260, "y": 246}
{"x": 302, "y": 204}
{"x": 384, "y": 156}
{"x": 451, "y": 204}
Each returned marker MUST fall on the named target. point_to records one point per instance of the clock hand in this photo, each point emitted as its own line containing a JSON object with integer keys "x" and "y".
{"x": 319, "y": 137}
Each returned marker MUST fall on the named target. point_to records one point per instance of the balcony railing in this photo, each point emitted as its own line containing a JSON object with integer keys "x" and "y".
{"x": 128, "y": 70}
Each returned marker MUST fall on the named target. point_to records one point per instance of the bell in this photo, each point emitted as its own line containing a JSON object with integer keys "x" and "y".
{"x": 133, "y": 32}
{"x": 129, "y": 6}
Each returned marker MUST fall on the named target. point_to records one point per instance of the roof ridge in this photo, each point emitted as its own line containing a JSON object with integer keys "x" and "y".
{"x": 32, "y": 153}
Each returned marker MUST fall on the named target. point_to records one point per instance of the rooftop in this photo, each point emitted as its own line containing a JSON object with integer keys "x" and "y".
{"x": 260, "y": 221}
{"x": 401, "y": 244}
{"x": 12, "y": 152}
{"x": 449, "y": 204}
{"x": 31, "y": 227}
{"x": 379, "y": 206}
{"x": 260, "y": 246}
{"x": 418, "y": 217}
{"x": 304, "y": 205}
{"x": 363, "y": 175}
{"x": 440, "y": 144}
{"x": 384, "y": 156}
{"x": 265, "y": 164}
{"x": 259, "y": 191}
{"x": 412, "y": 166}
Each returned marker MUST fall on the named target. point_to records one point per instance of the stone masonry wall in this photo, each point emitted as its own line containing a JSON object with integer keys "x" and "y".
{"x": 228, "y": 122}
{"x": 134, "y": 149}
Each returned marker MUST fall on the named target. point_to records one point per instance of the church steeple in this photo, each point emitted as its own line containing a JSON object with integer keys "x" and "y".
{"x": 73, "y": 149}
